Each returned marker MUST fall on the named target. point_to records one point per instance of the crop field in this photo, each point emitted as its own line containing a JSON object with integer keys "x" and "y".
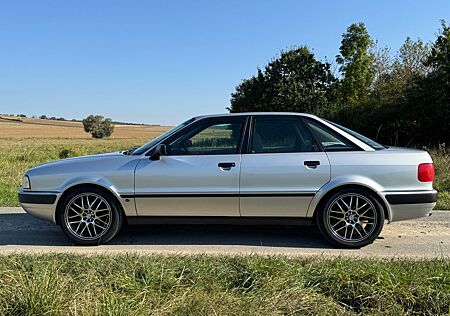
{"x": 34, "y": 141}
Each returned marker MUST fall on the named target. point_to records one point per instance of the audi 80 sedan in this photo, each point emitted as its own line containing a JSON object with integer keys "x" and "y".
{"x": 244, "y": 168}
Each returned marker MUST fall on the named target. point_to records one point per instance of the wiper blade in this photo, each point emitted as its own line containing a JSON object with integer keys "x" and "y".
{"x": 129, "y": 151}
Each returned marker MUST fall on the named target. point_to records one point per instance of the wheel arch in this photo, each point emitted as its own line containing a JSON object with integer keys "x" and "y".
{"x": 325, "y": 192}
{"x": 88, "y": 185}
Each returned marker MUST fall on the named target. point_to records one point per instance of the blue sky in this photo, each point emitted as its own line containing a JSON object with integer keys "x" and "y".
{"x": 164, "y": 61}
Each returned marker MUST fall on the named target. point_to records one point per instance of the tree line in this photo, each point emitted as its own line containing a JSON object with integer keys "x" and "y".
{"x": 401, "y": 99}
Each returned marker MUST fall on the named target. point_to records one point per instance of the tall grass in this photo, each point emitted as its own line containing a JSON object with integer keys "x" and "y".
{"x": 204, "y": 285}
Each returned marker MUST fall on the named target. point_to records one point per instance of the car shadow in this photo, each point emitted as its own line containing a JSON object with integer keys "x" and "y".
{"x": 25, "y": 230}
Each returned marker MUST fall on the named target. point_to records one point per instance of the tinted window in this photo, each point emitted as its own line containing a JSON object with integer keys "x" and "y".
{"x": 281, "y": 135}
{"x": 329, "y": 139}
{"x": 213, "y": 138}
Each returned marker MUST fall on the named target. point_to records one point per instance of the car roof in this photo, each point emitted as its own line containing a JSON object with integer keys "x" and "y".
{"x": 254, "y": 114}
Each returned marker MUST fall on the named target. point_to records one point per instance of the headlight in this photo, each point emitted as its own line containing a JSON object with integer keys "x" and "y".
{"x": 26, "y": 182}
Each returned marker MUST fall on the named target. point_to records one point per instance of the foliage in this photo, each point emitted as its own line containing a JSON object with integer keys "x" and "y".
{"x": 294, "y": 82}
{"x": 98, "y": 126}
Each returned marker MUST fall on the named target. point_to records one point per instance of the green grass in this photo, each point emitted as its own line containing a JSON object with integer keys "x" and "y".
{"x": 210, "y": 285}
{"x": 19, "y": 154}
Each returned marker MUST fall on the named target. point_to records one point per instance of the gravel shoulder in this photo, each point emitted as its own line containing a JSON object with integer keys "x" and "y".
{"x": 422, "y": 238}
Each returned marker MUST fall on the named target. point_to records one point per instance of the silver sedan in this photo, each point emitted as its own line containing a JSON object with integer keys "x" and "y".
{"x": 247, "y": 168}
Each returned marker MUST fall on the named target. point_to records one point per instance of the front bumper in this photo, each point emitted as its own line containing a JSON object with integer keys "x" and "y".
{"x": 39, "y": 204}
{"x": 410, "y": 204}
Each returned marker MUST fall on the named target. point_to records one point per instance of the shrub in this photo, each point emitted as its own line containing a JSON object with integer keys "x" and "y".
{"x": 66, "y": 153}
{"x": 98, "y": 126}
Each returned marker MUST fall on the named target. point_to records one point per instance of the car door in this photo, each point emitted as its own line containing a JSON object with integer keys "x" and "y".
{"x": 199, "y": 175}
{"x": 282, "y": 169}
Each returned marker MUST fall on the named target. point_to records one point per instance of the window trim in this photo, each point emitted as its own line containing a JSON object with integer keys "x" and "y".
{"x": 249, "y": 140}
{"x": 206, "y": 120}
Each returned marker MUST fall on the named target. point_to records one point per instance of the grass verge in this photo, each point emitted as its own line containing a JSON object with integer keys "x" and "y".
{"x": 215, "y": 285}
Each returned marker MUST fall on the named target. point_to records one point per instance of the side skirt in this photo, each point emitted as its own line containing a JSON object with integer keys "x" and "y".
{"x": 220, "y": 220}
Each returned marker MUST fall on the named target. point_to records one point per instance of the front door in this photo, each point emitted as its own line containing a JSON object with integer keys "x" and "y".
{"x": 283, "y": 169}
{"x": 199, "y": 176}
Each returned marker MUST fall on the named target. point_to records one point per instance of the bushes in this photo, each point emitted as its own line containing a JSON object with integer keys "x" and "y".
{"x": 98, "y": 126}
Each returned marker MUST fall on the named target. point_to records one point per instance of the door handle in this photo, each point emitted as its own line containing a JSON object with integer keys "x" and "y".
{"x": 311, "y": 164}
{"x": 226, "y": 165}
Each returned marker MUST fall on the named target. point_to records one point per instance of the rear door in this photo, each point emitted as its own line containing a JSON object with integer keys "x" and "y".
{"x": 282, "y": 169}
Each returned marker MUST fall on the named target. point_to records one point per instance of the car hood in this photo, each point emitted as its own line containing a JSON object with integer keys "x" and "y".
{"x": 81, "y": 161}
{"x": 96, "y": 157}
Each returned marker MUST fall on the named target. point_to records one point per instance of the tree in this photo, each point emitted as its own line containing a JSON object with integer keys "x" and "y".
{"x": 294, "y": 82}
{"x": 98, "y": 126}
{"x": 432, "y": 101}
{"x": 356, "y": 64}
{"x": 411, "y": 59}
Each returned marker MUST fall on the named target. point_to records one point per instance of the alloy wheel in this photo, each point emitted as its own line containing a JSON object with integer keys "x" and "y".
{"x": 351, "y": 217}
{"x": 88, "y": 216}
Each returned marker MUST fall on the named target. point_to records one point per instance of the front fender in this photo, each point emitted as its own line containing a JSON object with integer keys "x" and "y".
{"x": 126, "y": 203}
{"x": 344, "y": 181}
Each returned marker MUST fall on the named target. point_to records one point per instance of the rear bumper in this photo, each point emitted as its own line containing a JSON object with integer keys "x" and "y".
{"x": 410, "y": 204}
{"x": 412, "y": 197}
{"x": 39, "y": 204}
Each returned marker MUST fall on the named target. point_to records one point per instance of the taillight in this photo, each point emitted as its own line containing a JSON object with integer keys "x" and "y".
{"x": 425, "y": 172}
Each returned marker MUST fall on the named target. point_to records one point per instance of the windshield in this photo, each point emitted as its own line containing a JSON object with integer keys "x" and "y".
{"x": 154, "y": 141}
{"x": 362, "y": 138}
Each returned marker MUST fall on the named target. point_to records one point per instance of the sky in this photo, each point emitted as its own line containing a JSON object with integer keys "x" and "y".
{"x": 161, "y": 62}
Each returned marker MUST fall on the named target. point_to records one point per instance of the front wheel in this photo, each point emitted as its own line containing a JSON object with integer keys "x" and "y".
{"x": 89, "y": 216}
{"x": 351, "y": 218}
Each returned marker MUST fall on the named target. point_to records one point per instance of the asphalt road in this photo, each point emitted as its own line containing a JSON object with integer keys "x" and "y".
{"x": 423, "y": 238}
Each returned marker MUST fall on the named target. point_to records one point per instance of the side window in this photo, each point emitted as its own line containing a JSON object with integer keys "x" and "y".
{"x": 329, "y": 139}
{"x": 213, "y": 138}
{"x": 281, "y": 135}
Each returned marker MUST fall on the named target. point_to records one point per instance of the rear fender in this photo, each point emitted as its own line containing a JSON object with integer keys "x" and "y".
{"x": 346, "y": 180}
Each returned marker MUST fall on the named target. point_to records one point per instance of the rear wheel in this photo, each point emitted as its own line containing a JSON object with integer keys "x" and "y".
{"x": 351, "y": 218}
{"x": 89, "y": 216}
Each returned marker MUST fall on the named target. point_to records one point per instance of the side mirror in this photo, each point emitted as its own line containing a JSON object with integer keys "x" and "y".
{"x": 160, "y": 150}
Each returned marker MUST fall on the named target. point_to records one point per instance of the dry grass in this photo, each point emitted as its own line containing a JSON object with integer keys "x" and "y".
{"x": 64, "y": 129}
{"x": 34, "y": 141}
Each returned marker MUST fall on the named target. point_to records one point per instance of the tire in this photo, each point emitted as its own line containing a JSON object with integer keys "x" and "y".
{"x": 350, "y": 218}
{"x": 89, "y": 216}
